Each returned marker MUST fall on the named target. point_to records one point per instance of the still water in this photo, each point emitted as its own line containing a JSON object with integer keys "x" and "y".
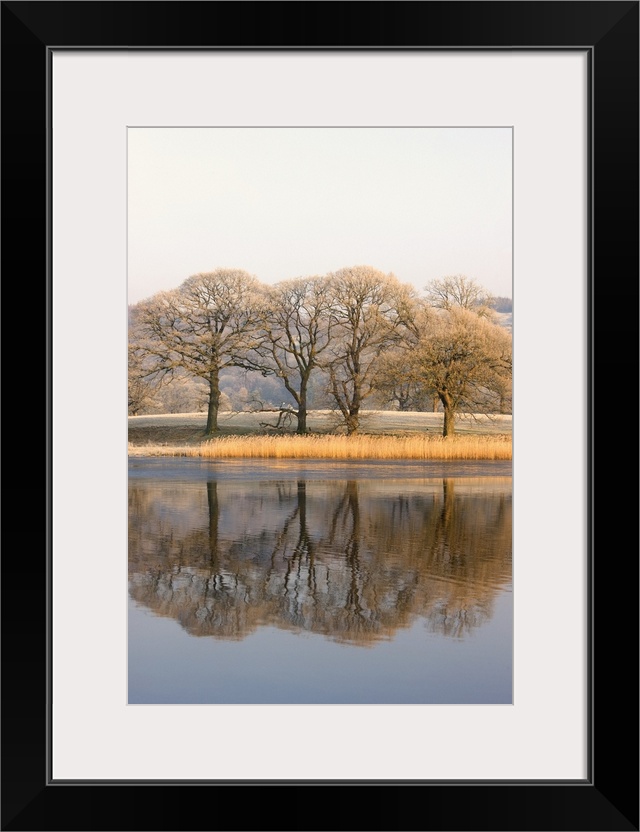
{"x": 317, "y": 583}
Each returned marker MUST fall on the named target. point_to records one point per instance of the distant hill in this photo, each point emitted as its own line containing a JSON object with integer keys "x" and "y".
{"x": 505, "y": 319}
{"x": 502, "y": 304}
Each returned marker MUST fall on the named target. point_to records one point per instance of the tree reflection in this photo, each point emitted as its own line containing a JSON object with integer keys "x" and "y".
{"x": 353, "y": 560}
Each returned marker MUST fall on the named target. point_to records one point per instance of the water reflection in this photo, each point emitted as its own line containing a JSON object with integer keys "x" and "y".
{"x": 354, "y": 560}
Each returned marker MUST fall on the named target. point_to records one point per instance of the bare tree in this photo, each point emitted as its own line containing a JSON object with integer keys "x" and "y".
{"x": 210, "y": 322}
{"x": 296, "y": 335}
{"x": 459, "y": 291}
{"x": 369, "y": 312}
{"x": 465, "y": 358}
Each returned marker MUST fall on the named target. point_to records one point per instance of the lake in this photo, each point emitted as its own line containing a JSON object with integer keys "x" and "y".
{"x": 287, "y": 582}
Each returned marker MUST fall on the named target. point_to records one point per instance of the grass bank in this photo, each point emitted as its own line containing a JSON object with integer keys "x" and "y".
{"x": 416, "y": 447}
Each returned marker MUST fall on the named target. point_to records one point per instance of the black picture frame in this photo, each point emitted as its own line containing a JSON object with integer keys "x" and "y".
{"x": 608, "y": 798}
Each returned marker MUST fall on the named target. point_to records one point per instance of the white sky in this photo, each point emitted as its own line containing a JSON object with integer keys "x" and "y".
{"x": 287, "y": 202}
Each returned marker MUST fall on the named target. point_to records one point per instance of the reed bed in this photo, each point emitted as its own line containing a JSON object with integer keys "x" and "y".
{"x": 337, "y": 447}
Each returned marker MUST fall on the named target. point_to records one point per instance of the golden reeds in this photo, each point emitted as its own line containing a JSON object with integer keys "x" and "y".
{"x": 428, "y": 447}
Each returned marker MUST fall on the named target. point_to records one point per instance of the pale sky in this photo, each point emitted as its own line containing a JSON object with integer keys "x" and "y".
{"x": 287, "y": 202}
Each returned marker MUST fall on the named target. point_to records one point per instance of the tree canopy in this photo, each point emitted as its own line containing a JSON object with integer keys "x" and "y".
{"x": 459, "y": 291}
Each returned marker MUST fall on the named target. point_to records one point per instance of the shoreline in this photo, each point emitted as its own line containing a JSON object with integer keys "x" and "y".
{"x": 385, "y": 435}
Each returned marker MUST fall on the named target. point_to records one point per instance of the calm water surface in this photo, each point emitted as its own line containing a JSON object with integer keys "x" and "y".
{"x": 293, "y": 583}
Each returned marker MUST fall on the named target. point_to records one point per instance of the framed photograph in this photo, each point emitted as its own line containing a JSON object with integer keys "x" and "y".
{"x": 322, "y": 520}
{"x": 107, "y": 107}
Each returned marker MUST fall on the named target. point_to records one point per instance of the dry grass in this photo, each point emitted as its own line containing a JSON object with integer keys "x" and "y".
{"x": 478, "y": 447}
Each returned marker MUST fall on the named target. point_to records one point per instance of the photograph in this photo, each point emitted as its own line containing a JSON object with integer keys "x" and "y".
{"x": 366, "y": 276}
{"x": 319, "y": 415}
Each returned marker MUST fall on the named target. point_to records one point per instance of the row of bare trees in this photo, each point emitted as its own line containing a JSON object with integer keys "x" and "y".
{"x": 364, "y": 330}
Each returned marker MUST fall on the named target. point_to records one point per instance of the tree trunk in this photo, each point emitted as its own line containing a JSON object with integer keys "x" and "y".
{"x": 302, "y": 408}
{"x": 348, "y": 403}
{"x": 449, "y": 421}
{"x": 353, "y": 420}
{"x": 214, "y": 402}
{"x": 448, "y": 426}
